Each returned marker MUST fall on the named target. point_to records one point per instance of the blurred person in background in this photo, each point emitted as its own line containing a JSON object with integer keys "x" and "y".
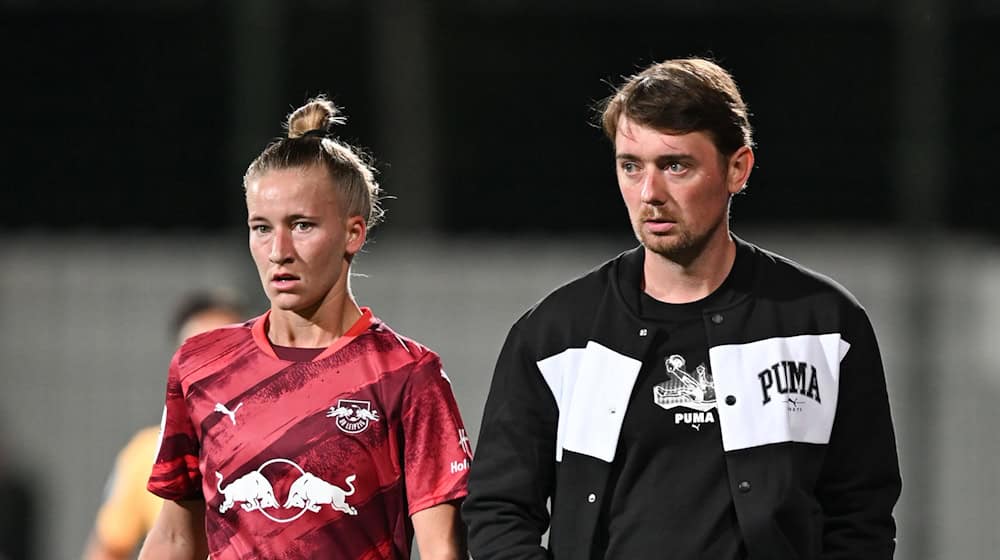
{"x": 20, "y": 497}
{"x": 129, "y": 509}
{"x": 313, "y": 430}
{"x": 694, "y": 397}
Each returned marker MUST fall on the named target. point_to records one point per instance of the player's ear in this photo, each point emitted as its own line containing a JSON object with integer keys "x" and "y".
{"x": 356, "y": 233}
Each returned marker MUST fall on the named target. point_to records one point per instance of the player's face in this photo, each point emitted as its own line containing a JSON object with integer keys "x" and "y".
{"x": 676, "y": 188}
{"x": 300, "y": 238}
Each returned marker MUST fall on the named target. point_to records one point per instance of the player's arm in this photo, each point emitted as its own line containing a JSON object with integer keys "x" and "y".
{"x": 860, "y": 481}
{"x": 116, "y": 532}
{"x": 98, "y": 550}
{"x": 118, "y": 528}
{"x": 439, "y": 532}
{"x": 435, "y": 462}
{"x": 179, "y": 530}
{"x": 178, "y": 534}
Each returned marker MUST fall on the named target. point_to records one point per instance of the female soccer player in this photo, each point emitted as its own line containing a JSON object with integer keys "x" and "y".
{"x": 314, "y": 430}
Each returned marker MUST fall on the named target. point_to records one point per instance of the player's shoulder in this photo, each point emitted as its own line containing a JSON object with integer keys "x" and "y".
{"x": 224, "y": 333}
{"x": 391, "y": 341}
{"x": 210, "y": 344}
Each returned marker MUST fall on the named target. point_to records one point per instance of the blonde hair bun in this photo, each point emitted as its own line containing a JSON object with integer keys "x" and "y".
{"x": 319, "y": 113}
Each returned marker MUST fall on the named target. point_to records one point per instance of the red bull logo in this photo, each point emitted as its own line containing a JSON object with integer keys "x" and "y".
{"x": 255, "y": 492}
{"x": 251, "y": 490}
{"x": 311, "y": 492}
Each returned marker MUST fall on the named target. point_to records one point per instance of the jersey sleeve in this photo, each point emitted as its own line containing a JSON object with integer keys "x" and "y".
{"x": 175, "y": 473}
{"x": 437, "y": 453}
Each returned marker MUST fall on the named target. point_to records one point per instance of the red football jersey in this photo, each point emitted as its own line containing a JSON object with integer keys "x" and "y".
{"x": 306, "y": 459}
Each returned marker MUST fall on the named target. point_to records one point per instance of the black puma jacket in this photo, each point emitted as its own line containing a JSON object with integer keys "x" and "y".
{"x": 806, "y": 428}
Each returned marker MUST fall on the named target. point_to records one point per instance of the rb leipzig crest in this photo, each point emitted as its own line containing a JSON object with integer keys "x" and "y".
{"x": 353, "y": 416}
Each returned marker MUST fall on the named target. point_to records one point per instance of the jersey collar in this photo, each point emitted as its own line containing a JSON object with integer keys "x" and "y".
{"x": 259, "y": 330}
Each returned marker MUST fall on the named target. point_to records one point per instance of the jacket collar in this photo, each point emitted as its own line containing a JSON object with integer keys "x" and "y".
{"x": 626, "y": 277}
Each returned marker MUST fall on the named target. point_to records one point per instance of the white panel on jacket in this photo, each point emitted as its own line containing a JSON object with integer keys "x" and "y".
{"x": 778, "y": 389}
{"x": 592, "y": 386}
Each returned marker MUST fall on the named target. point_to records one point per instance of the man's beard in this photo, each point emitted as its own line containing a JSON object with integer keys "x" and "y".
{"x": 681, "y": 247}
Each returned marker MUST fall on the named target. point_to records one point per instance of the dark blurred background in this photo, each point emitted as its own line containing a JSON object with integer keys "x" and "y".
{"x": 128, "y": 125}
{"x": 143, "y": 115}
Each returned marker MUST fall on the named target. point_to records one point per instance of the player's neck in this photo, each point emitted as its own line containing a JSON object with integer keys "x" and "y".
{"x": 316, "y": 327}
{"x": 675, "y": 282}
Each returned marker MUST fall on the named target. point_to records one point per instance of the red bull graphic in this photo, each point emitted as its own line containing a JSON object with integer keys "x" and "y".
{"x": 252, "y": 489}
{"x": 254, "y": 492}
{"x": 311, "y": 492}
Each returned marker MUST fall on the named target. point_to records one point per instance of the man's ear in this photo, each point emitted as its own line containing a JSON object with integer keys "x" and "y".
{"x": 740, "y": 166}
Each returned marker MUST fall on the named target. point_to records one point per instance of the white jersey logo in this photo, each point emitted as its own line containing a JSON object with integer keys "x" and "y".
{"x": 352, "y": 416}
{"x": 311, "y": 492}
{"x": 252, "y": 489}
{"x": 219, "y": 407}
{"x": 465, "y": 443}
{"x": 254, "y": 492}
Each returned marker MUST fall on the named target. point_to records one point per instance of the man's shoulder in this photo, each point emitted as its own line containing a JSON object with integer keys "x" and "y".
{"x": 579, "y": 298}
{"x": 782, "y": 277}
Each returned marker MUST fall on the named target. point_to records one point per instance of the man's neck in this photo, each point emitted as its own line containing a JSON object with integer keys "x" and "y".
{"x": 672, "y": 282}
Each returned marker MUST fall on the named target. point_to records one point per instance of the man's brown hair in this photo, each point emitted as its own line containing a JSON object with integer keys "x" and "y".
{"x": 681, "y": 96}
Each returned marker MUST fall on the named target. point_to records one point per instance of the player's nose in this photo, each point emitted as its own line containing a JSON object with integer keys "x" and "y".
{"x": 281, "y": 246}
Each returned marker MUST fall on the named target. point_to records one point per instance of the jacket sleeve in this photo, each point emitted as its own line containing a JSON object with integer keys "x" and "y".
{"x": 860, "y": 482}
{"x": 513, "y": 473}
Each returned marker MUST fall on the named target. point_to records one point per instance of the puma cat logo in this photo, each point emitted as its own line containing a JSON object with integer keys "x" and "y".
{"x": 219, "y": 407}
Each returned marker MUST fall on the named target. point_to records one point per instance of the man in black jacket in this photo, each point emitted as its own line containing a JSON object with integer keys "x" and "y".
{"x": 695, "y": 397}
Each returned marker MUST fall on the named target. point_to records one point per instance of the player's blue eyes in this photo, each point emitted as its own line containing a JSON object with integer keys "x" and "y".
{"x": 297, "y": 226}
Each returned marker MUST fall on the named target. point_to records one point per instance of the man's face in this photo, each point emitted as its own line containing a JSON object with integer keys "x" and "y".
{"x": 300, "y": 239}
{"x": 676, "y": 188}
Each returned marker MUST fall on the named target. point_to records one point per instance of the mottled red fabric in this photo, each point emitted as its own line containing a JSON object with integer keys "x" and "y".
{"x": 325, "y": 458}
